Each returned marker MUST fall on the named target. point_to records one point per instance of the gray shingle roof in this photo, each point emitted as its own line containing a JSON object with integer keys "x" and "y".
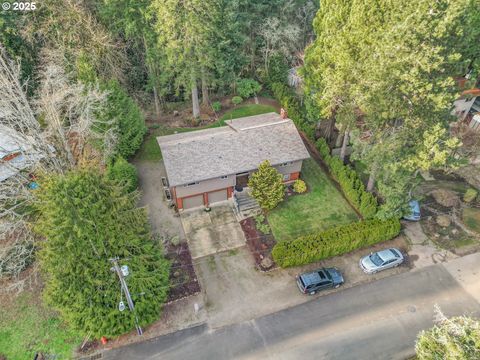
{"x": 238, "y": 147}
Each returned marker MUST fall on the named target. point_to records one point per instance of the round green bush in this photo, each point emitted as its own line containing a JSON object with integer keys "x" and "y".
{"x": 299, "y": 186}
{"x": 217, "y": 106}
{"x": 248, "y": 87}
{"x": 123, "y": 173}
{"x": 236, "y": 100}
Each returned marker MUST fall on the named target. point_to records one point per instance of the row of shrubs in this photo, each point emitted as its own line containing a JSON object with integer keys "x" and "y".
{"x": 295, "y": 110}
{"x": 334, "y": 241}
{"x": 351, "y": 185}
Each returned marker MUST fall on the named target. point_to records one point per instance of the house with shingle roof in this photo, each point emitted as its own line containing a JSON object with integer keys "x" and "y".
{"x": 206, "y": 166}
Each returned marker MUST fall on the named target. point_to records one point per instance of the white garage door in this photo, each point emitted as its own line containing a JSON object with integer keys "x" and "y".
{"x": 216, "y": 196}
{"x": 192, "y": 201}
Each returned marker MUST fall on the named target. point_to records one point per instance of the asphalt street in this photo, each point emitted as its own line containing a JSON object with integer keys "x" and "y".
{"x": 378, "y": 320}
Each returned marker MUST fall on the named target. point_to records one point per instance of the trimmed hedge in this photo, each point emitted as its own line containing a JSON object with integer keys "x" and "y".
{"x": 351, "y": 185}
{"x": 334, "y": 241}
{"x": 353, "y": 188}
{"x": 295, "y": 110}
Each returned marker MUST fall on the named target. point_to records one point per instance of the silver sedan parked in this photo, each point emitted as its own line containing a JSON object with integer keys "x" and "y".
{"x": 381, "y": 260}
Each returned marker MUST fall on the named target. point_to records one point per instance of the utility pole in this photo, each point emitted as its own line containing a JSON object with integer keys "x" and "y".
{"x": 124, "y": 286}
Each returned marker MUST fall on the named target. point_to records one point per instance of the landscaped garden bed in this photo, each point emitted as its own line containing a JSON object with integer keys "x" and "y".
{"x": 259, "y": 243}
{"x": 183, "y": 280}
{"x": 322, "y": 207}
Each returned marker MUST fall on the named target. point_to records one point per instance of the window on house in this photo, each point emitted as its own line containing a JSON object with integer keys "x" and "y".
{"x": 191, "y": 184}
{"x": 224, "y": 177}
{"x": 168, "y": 195}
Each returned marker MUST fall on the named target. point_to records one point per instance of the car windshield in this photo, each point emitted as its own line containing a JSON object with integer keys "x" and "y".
{"x": 376, "y": 259}
{"x": 329, "y": 277}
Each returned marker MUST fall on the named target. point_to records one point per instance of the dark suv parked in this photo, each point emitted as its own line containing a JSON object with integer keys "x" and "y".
{"x": 321, "y": 279}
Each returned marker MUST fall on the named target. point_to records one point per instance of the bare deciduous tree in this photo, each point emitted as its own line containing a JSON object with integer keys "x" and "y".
{"x": 68, "y": 124}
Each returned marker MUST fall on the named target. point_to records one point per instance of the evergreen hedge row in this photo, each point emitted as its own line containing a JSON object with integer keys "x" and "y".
{"x": 351, "y": 185}
{"x": 295, "y": 110}
{"x": 334, "y": 241}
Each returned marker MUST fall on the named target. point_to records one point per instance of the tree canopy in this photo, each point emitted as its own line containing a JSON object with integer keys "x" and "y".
{"x": 457, "y": 338}
{"x": 390, "y": 66}
{"x": 86, "y": 220}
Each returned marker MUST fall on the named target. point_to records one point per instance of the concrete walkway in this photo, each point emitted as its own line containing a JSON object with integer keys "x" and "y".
{"x": 423, "y": 252}
{"x": 379, "y": 320}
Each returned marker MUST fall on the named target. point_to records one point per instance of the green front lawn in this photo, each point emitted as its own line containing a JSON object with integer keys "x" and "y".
{"x": 150, "y": 151}
{"x": 27, "y": 327}
{"x": 321, "y": 208}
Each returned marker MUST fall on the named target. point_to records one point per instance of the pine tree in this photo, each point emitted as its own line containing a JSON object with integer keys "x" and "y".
{"x": 87, "y": 219}
{"x": 393, "y": 63}
{"x": 267, "y": 186}
{"x": 456, "y": 338}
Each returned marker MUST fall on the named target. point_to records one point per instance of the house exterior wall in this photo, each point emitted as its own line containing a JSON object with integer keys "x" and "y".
{"x": 205, "y": 186}
{"x": 180, "y": 193}
{"x": 293, "y": 167}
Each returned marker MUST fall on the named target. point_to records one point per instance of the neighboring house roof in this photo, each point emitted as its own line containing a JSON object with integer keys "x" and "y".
{"x": 15, "y": 153}
{"x": 238, "y": 147}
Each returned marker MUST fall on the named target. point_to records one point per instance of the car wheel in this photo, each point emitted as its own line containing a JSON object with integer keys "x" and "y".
{"x": 312, "y": 292}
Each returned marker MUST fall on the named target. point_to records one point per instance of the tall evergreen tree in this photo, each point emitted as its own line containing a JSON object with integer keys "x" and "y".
{"x": 186, "y": 33}
{"x": 395, "y": 62}
{"x": 86, "y": 220}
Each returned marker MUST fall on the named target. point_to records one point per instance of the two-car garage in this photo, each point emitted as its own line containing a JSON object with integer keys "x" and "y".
{"x": 204, "y": 199}
{"x": 192, "y": 201}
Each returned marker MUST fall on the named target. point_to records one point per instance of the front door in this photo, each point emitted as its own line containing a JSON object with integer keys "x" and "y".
{"x": 242, "y": 180}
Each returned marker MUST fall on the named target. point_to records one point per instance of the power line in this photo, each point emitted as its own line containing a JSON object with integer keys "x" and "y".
{"x": 124, "y": 286}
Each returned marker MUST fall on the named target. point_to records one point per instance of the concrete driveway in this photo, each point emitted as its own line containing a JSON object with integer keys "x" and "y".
{"x": 212, "y": 232}
{"x": 162, "y": 219}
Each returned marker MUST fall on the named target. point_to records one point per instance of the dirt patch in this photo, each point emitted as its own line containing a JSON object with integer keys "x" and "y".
{"x": 453, "y": 235}
{"x": 183, "y": 279}
{"x": 259, "y": 244}
{"x": 180, "y": 114}
{"x": 446, "y": 197}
